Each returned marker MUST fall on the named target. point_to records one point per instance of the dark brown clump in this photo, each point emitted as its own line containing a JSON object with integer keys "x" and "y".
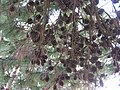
{"x": 46, "y": 78}
{"x": 44, "y": 57}
{"x": 38, "y": 62}
{"x": 50, "y": 68}
{"x": 60, "y": 83}
{"x": 68, "y": 70}
{"x": 72, "y": 65}
{"x": 62, "y": 77}
{"x": 12, "y": 8}
{"x": 38, "y": 17}
{"x": 93, "y": 59}
{"x": 75, "y": 77}
{"x": 82, "y": 64}
{"x": 36, "y": 2}
{"x": 67, "y": 77}
{"x": 54, "y": 87}
{"x": 30, "y": 3}
{"x": 29, "y": 21}
{"x": 85, "y": 21}
{"x": 93, "y": 69}
{"x": 62, "y": 60}
{"x": 98, "y": 63}
{"x": 34, "y": 36}
{"x": 93, "y": 37}
{"x": 32, "y": 62}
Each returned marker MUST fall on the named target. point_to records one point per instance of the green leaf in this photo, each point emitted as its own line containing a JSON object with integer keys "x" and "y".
{"x": 3, "y": 18}
{"x": 4, "y": 1}
{"x": 1, "y": 77}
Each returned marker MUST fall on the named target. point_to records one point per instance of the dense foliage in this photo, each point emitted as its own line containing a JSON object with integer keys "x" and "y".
{"x": 78, "y": 50}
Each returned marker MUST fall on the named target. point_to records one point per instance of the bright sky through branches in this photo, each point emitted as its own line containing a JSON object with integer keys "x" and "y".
{"x": 105, "y": 4}
{"x": 113, "y": 82}
{"x": 108, "y": 7}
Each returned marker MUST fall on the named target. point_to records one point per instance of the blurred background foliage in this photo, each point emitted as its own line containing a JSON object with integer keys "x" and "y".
{"x": 76, "y": 51}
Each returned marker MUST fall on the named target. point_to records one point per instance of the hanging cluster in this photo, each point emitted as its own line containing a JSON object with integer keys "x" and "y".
{"x": 79, "y": 39}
